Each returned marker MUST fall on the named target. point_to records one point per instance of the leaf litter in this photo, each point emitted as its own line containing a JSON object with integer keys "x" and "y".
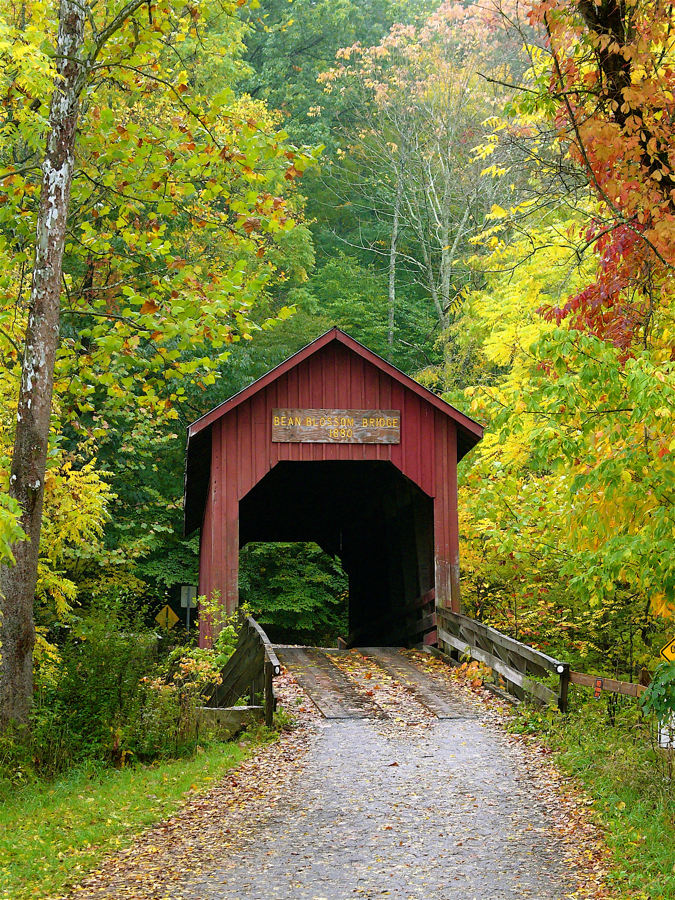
{"x": 166, "y": 859}
{"x": 566, "y": 804}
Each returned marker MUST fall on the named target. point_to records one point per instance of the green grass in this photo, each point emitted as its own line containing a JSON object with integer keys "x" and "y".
{"x": 631, "y": 783}
{"x": 53, "y": 834}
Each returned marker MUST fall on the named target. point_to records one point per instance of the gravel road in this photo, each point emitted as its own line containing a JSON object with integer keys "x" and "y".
{"x": 440, "y": 810}
{"x": 396, "y": 802}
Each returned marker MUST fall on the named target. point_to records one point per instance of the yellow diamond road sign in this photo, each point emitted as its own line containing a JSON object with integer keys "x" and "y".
{"x": 166, "y": 617}
{"x": 668, "y": 652}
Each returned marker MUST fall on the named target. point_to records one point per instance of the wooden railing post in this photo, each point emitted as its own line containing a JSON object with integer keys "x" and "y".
{"x": 246, "y": 670}
{"x": 269, "y": 693}
{"x": 519, "y": 665}
{"x": 563, "y": 687}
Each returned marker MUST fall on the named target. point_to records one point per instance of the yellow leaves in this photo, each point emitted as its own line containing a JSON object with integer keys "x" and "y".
{"x": 54, "y": 588}
{"x": 76, "y": 510}
{"x": 662, "y": 607}
{"x": 46, "y": 657}
{"x": 482, "y": 151}
{"x": 512, "y": 450}
{"x": 494, "y": 171}
{"x": 497, "y": 212}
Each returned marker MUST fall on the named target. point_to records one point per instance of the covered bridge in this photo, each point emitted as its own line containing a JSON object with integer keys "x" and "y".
{"x": 336, "y": 446}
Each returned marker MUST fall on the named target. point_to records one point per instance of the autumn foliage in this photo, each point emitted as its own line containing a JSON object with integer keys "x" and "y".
{"x": 612, "y": 79}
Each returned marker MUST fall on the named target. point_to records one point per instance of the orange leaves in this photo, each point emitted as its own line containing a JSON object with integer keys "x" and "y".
{"x": 614, "y": 88}
{"x": 251, "y": 224}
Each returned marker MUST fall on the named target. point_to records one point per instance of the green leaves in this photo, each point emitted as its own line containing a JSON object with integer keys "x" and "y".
{"x": 177, "y": 199}
{"x": 295, "y": 591}
{"x": 179, "y": 220}
{"x": 659, "y": 698}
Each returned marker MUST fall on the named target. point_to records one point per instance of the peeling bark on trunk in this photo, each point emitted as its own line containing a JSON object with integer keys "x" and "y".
{"x": 17, "y": 583}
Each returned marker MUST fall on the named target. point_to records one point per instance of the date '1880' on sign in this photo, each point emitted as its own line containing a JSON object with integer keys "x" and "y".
{"x": 336, "y": 426}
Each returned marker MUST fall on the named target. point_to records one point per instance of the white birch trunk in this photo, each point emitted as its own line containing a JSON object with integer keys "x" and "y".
{"x": 392, "y": 263}
{"x": 17, "y": 583}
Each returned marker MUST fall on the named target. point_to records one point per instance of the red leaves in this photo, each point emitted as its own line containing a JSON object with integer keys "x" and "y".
{"x": 609, "y": 307}
{"x": 615, "y": 94}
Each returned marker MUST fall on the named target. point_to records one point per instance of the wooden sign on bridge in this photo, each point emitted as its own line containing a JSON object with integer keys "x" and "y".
{"x": 336, "y": 426}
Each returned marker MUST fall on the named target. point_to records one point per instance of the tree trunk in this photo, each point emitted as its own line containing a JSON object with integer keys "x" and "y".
{"x": 392, "y": 264}
{"x": 17, "y": 583}
{"x": 448, "y": 254}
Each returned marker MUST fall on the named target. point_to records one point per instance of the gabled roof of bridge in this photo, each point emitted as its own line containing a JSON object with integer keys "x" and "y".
{"x": 334, "y": 334}
{"x": 198, "y": 454}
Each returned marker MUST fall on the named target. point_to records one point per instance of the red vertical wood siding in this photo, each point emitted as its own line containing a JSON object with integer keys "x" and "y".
{"x": 333, "y": 377}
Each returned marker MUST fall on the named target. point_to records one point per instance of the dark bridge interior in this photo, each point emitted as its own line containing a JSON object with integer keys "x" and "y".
{"x": 375, "y": 520}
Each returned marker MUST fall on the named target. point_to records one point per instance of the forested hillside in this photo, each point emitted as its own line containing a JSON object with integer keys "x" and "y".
{"x": 480, "y": 193}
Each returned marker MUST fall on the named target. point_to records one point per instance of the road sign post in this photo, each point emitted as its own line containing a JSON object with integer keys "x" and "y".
{"x": 188, "y": 600}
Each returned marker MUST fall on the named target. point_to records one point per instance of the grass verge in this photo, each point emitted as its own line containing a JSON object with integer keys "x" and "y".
{"x": 608, "y": 746}
{"x": 53, "y": 834}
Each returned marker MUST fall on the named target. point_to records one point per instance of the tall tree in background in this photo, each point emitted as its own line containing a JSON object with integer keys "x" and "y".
{"x": 291, "y": 44}
{"x": 26, "y": 484}
{"x": 164, "y": 231}
{"x": 415, "y": 107}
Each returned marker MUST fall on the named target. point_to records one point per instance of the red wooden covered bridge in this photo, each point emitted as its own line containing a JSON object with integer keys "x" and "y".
{"x": 339, "y": 447}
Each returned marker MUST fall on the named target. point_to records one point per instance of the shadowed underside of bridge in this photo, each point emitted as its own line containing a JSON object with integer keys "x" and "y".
{"x": 375, "y": 520}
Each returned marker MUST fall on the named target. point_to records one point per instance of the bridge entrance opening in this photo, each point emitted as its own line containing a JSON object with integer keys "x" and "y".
{"x": 379, "y": 524}
{"x": 299, "y": 593}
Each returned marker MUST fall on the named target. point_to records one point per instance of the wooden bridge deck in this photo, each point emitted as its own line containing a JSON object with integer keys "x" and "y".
{"x": 327, "y": 686}
{"x": 337, "y": 696}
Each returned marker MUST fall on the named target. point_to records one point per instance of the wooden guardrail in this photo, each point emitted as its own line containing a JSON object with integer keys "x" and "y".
{"x": 250, "y": 670}
{"x": 518, "y": 664}
{"x": 599, "y": 683}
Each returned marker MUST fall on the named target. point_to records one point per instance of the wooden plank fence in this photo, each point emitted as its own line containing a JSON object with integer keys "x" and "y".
{"x": 628, "y": 688}
{"x": 250, "y": 670}
{"x": 518, "y": 664}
